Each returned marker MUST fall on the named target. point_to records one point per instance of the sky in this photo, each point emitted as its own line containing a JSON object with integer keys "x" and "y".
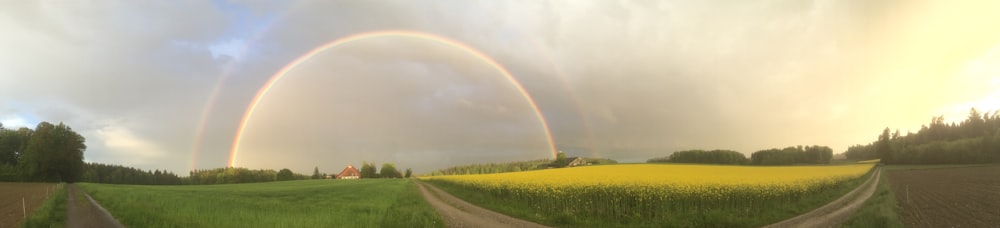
{"x": 169, "y": 84}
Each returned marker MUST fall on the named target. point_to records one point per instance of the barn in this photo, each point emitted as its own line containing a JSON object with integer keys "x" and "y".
{"x": 349, "y": 173}
{"x": 576, "y": 161}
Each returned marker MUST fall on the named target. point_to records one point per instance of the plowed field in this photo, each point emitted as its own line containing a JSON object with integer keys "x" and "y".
{"x": 948, "y": 197}
{"x": 11, "y": 211}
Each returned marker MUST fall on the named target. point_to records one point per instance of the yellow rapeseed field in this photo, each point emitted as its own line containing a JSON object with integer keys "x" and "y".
{"x": 643, "y": 191}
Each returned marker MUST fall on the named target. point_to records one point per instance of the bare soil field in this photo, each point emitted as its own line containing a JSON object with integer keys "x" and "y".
{"x": 948, "y": 197}
{"x": 11, "y": 211}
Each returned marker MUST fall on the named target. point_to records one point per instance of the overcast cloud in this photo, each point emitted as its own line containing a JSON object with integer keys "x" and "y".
{"x": 618, "y": 79}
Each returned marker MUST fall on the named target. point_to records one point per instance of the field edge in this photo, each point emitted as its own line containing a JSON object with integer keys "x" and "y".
{"x": 52, "y": 213}
{"x": 880, "y": 210}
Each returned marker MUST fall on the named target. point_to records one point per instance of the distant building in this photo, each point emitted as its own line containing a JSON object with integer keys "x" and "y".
{"x": 349, "y": 173}
{"x": 575, "y": 161}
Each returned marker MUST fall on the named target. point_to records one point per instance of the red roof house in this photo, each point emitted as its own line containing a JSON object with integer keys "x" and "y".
{"x": 349, "y": 173}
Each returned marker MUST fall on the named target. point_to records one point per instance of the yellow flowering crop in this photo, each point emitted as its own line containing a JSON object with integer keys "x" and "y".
{"x": 643, "y": 191}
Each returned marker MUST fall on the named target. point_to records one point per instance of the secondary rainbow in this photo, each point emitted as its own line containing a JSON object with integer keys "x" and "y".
{"x": 376, "y": 34}
{"x": 562, "y": 77}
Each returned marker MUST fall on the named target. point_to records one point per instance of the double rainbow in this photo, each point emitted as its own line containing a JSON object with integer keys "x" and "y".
{"x": 248, "y": 114}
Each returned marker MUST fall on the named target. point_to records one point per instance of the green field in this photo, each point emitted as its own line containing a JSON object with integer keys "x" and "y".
{"x": 307, "y": 203}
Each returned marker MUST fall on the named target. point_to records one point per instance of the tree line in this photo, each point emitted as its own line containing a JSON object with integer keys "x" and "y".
{"x": 973, "y": 140}
{"x": 787, "y": 156}
{"x": 792, "y": 155}
{"x": 725, "y": 157}
{"x": 388, "y": 170}
{"x": 487, "y": 168}
{"x": 117, "y": 174}
{"x": 50, "y": 153}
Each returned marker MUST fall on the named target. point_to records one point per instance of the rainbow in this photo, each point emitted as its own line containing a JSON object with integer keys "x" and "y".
{"x": 562, "y": 76}
{"x": 213, "y": 96}
{"x": 248, "y": 114}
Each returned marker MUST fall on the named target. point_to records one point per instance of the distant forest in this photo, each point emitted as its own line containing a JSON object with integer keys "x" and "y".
{"x": 54, "y": 153}
{"x": 787, "y": 156}
{"x": 974, "y": 140}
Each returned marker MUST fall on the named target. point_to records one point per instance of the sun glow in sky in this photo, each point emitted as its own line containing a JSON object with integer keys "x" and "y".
{"x": 165, "y": 85}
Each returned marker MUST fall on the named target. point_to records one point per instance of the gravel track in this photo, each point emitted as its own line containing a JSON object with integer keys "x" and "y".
{"x": 837, "y": 212}
{"x": 458, "y": 213}
{"x": 86, "y": 213}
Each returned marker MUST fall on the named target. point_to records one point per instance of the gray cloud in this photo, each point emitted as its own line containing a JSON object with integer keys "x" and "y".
{"x": 625, "y": 80}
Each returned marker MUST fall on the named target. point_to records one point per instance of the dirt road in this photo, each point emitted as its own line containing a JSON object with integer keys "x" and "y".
{"x": 458, "y": 213}
{"x": 837, "y": 212}
{"x": 82, "y": 211}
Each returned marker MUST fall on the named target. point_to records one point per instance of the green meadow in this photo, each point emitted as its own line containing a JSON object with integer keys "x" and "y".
{"x": 305, "y": 203}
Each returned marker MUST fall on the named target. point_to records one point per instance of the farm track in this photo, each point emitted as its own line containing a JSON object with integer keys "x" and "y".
{"x": 86, "y": 213}
{"x": 458, "y": 213}
{"x": 837, "y": 212}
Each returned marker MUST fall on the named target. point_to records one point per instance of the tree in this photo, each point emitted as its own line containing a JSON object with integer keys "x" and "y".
{"x": 408, "y": 173}
{"x": 36, "y": 164}
{"x": 368, "y": 170}
{"x": 389, "y": 171}
{"x": 883, "y": 149}
{"x": 53, "y": 153}
{"x": 285, "y": 174}
{"x": 12, "y": 144}
{"x": 560, "y": 160}
{"x": 316, "y": 174}
{"x": 69, "y": 151}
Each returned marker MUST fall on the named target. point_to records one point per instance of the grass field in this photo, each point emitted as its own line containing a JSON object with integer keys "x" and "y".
{"x": 657, "y": 195}
{"x": 307, "y": 203}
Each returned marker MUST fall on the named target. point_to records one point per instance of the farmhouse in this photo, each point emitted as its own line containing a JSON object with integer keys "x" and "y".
{"x": 349, "y": 173}
{"x": 575, "y": 161}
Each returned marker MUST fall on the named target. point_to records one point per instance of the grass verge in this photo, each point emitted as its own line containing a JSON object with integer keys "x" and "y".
{"x": 52, "y": 213}
{"x": 411, "y": 210}
{"x": 909, "y": 167}
{"x": 306, "y": 203}
{"x": 881, "y": 210}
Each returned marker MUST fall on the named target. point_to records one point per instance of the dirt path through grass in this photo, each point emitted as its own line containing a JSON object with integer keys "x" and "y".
{"x": 83, "y": 211}
{"x": 458, "y": 213}
{"x": 837, "y": 212}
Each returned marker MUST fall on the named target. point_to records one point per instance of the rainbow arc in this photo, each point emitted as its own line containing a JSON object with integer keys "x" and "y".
{"x": 263, "y": 91}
